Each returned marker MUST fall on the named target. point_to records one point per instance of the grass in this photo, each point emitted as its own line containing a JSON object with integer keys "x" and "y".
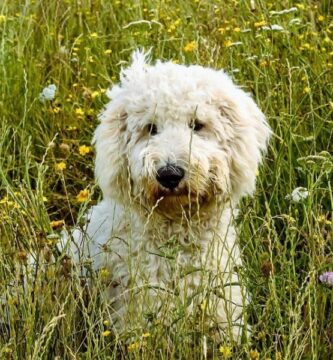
{"x": 80, "y": 47}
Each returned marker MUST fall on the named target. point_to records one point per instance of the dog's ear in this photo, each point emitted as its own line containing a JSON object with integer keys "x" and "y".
{"x": 112, "y": 136}
{"x": 110, "y": 139}
{"x": 248, "y": 143}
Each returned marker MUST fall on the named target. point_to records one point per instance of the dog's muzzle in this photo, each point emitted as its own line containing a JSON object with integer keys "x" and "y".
{"x": 170, "y": 176}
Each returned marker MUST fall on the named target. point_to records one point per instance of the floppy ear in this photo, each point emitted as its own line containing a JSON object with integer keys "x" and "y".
{"x": 248, "y": 143}
{"x": 112, "y": 136}
{"x": 111, "y": 157}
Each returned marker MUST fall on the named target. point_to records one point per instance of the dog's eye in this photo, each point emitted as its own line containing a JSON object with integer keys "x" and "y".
{"x": 152, "y": 129}
{"x": 196, "y": 125}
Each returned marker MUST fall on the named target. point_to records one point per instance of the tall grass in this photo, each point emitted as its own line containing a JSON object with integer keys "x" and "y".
{"x": 48, "y": 311}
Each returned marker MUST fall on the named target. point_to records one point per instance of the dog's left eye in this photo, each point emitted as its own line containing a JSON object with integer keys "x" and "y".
{"x": 196, "y": 125}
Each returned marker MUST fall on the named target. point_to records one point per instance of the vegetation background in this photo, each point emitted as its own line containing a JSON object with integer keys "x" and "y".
{"x": 281, "y": 52}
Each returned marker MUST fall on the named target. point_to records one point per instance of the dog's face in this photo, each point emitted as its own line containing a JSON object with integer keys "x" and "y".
{"x": 173, "y": 136}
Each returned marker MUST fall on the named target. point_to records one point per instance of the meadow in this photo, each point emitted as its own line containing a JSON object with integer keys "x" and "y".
{"x": 281, "y": 52}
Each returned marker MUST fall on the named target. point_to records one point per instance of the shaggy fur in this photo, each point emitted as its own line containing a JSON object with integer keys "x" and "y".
{"x": 164, "y": 248}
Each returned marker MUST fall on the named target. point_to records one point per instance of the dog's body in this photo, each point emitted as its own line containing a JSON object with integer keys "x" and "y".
{"x": 176, "y": 149}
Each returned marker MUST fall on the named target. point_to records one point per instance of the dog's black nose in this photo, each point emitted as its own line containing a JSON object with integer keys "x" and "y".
{"x": 169, "y": 176}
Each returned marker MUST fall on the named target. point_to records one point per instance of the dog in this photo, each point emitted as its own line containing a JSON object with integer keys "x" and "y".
{"x": 176, "y": 148}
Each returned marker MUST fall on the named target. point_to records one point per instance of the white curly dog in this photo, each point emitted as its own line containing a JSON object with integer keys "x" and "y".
{"x": 177, "y": 147}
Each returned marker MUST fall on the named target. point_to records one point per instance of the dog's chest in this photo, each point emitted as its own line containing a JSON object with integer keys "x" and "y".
{"x": 167, "y": 254}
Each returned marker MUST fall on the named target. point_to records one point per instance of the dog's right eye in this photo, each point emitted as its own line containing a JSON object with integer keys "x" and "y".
{"x": 152, "y": 129}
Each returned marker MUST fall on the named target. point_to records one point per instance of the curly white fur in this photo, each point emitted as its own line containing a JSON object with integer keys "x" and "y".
{"x": 162, "y": 246}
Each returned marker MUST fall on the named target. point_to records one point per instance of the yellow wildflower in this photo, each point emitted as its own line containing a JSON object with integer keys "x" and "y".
{"x": 106, "y": 333}
{"x": 227, "y": 43}
{"x": 145, "y": 335}
{"x": 4, "y": 200}
{"x": 263, "y": 63}
{"x": 61, "y": 166}
{"x": 2, "y": 18}
{"x": 225, "y": 351}
{"x": 321, "y": 18}
{"x": 133, "y": 346}
{"x": 83, "y": 195}
{"x": 237, "y": 29}
{"x": 79, "y": 113}
{"x": 56, "y": 224}
{"x": 56, "y": 110}
{"x": 191, "y": 46}
{"x": 203, "y": 305}
{"x": 94, "y": 35}
{"x": 322, "y": 219}
{"x": 83, "y": 149}
{"x": 254, "y": 354}
{"x": 95, "y": 93}
{"x": 306, "y": 46}
{"x": 306, "y": 90}
{"x": 104, "y": 272}
{"x": 52, "y": 239}
{"x": 106, "y": 323}
{"x": 107, "y": 51}
{"x": 7, "y": 350}
{"x": 260, "y": 23}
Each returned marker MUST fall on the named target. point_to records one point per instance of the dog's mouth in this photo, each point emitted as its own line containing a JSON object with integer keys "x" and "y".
{"x": 181, "y": 194}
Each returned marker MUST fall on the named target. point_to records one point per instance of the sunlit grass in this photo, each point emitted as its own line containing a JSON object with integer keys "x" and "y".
{"x": 46, "y": 169}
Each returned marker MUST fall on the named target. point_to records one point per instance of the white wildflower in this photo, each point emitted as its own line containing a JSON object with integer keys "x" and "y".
{"x": 327, "y": 278}
{"x": 298, "y": 194}
{"x": 63, "y": 50}
{"x": 285, "y": 11}
{"x": 273, "y": 27}
{"x": 48, "y": 93}
{"x": 237, "y": 43}
{"x": 253, "y": 57}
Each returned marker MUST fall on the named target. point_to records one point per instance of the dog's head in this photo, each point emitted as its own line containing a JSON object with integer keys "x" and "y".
{"x": 174, "y": 135}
